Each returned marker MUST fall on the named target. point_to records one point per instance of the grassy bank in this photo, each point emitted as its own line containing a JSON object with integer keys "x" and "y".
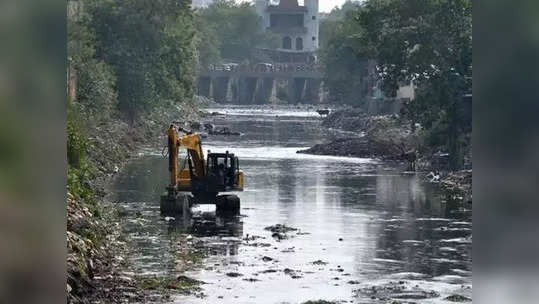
{"x": 97, "y": 150}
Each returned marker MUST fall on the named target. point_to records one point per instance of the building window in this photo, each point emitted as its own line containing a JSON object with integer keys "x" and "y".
{"x": 299, "y": 44}
{"x": 314, "y": 38}
{"x": 314, "y": 17}
{"x": 287, "y": 43}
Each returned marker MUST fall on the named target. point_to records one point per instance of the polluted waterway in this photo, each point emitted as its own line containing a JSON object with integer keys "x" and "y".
{"x": 339, "y": 229}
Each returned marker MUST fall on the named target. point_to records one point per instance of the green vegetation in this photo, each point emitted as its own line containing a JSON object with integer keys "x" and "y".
{"x": 231, "y": 31}
{"x": 428, "y": 43}
{"x": 131, "y": 66}
{"x": 150, "y": 46}
{"x": 342, "y": 57}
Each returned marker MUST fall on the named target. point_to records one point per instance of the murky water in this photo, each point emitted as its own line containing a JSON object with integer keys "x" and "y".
{"x": 364, "y": 223}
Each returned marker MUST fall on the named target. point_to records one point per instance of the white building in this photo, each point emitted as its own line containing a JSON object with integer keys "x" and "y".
{"x": 297, "y": 25}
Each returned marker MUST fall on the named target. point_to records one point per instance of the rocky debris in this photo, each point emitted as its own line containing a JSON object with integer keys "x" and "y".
{"x": 458, "y": 185}
{"x": 458, "y": 298}
{"x": 396, "y": 290}
{"x": 267, "y": 259}
{"x": 223, "y": 131}
{"x": 288, "y": 250}
{"x": 383, "y": 137}
{"x": 323, "y": 112}
{"x": 353, "y": 120}
{"x": 279, "y": 232}
{"x": 209, "y": 127}
{"x": 258, "y": 244}
{"x": 189, "y": 281}
{"x": 249, "y": 237}
{"x": 213, "y": 130}
{"x": 195, "y": 125}
{"x": 292, "y": 273}
{"x": 164, "y": 285}
{"x": 280, "y": 228}
{"x": 279, "y": 236}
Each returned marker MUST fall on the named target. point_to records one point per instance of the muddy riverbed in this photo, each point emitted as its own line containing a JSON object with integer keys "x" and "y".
{"x": 363, "y": 232}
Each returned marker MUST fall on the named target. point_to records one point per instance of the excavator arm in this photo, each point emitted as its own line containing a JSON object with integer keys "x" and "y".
{"x": 193, "y": 145}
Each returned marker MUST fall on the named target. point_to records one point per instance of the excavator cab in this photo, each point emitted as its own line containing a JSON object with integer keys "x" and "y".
{"x": 224, "y": 168}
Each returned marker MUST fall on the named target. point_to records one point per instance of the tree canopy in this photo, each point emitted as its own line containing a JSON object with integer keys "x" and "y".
{"x": 150, "y": 46}
{"x": 341, "y": 55}
{"x": 427, "y": 42}
{"x": 236, "y": 27}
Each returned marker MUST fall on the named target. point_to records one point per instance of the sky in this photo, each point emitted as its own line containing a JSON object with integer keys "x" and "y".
{"x": 327, "y": 5}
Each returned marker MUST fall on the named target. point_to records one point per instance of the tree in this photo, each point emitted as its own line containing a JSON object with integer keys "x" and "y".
{"x": 150, "y": 45}
{"x": 341, "y": 54}
{"x": 208, "y": 43}
{"x": 428, "y": 42}
{"x": 238, "y": 28}
{"x": 95, "y": 83}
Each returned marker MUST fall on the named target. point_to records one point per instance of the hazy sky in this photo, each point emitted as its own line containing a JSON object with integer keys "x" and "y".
{"x": 325, "y": 5}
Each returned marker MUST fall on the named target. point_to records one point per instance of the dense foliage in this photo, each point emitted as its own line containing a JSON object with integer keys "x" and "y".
{"x": 149, "y": 44}
{"x": 231, "y": 30}
{"x": 341, "y": 55}
{"x": 127, "y": 59}
{"x": 428, "y": 42}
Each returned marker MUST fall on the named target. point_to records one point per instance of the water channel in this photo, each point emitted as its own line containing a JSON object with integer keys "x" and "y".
{"x": 362, "y": 225}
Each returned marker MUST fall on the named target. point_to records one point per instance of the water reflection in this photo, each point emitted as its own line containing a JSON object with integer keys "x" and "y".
{"x": 205, "y": 224}
{"x": 365, "y": 219}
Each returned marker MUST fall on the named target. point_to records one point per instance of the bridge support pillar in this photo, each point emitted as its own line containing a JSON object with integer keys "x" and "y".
{"x": 313, "y": 91}
{"x": 204, "y": 86}
{"x": 220, "y": 89}
{"x": 291, "y": 91}
{"x": 247, "y": 89}
{"x": 265, "y": 88}
{"x": 296, "y": 90}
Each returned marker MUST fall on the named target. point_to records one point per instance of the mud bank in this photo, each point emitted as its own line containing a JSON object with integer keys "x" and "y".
{"x": 391, "y": 138}
{"x": 97, "y": 268}
{"x": 382, "y": 137}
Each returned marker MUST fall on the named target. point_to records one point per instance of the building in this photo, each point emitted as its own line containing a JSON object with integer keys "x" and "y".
{"x": 296, "y": 25}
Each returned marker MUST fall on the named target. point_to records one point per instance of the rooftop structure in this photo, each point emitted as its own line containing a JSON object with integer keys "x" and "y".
{"x": 297, "y": 25}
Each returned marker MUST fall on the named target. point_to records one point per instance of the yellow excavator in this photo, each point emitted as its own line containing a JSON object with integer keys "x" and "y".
{"x": 202, "y": 180}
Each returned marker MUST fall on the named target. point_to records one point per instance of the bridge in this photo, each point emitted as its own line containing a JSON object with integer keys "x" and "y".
{"x": 261, "y": 84}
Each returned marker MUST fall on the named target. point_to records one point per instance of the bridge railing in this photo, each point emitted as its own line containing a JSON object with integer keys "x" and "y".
{"x": 265, "y": 68}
